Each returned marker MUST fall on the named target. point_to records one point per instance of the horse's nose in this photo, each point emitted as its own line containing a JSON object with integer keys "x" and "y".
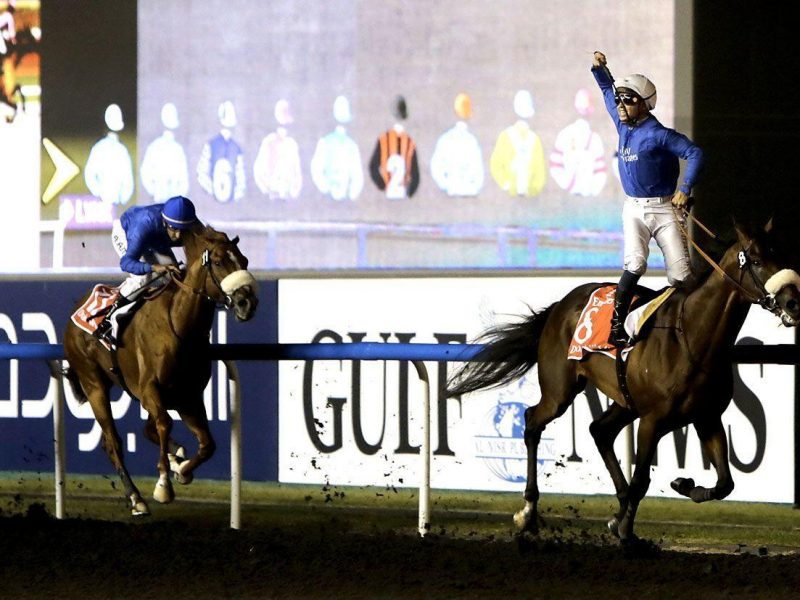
{"x": 245, "y": 307}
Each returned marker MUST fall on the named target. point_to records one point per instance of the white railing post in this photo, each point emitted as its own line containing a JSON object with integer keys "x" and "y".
{"x": 58, "y": 435}
{"x": 234, "y": 393}
{"x": 424, "y": 522}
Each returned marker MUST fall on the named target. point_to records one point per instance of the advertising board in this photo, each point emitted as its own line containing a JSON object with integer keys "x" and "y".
{"x": 359, "y": 423}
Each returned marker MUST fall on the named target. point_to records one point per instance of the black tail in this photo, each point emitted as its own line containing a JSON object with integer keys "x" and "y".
{"x": 511, "y": 350}
{"x": 75, "y": 384}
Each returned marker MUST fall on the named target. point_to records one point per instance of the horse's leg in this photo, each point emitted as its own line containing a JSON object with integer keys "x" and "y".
{"x": 715, "y": 446}
{"x": 163, "y": 491}
{"x": 605, "y": 430}
{"x": 112, "y": 444}
{"x": 151, "y": 433}
{"x": 646, "y": 443}
{"x": 197, "y": 422}
{"x": 537, "y": 417}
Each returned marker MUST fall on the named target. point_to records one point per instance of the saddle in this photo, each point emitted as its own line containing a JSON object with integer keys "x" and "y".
{"x": 594, "y": 324}
{"x": 94, "y": 310}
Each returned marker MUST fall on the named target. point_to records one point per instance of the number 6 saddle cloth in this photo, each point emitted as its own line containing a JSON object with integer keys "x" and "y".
{"x": 93, "y": 311}
{"x": 594, "y": 324}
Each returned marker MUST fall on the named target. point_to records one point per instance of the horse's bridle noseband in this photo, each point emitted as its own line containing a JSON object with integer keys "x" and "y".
{"x": 227, "y": 286}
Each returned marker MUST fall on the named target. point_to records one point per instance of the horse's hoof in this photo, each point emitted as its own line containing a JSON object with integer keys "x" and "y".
{"x": 520, "y": 520}
{"x": 178, "y": 462}
{"x": 139, "y": 507}
{"x": 683, "y": 485}
{"x": 163, "y": 491}
{"x": 184, "y": 479}
{"x": 613, "y": 526}
{"x": 525, "y": 521}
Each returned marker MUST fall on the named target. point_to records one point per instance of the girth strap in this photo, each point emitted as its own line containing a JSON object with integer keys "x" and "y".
{"x": 622, "y": 379}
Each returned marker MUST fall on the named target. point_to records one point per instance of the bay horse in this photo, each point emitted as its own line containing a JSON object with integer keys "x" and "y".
{"x": 680, "y": 373}
{"x": 163, "y": 358}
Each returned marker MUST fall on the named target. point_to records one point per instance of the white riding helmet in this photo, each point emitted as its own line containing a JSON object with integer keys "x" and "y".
{"x": 641, "y": 86}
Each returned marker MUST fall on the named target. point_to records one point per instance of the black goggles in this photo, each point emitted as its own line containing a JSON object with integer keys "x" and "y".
{"x": 626, "y": 99}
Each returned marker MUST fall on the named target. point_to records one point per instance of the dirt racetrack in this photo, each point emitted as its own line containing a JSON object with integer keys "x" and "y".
{"x": 41, "y": 557}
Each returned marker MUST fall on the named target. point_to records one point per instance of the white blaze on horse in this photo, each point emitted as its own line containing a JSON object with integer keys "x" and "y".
{"x": 163, "y": 358}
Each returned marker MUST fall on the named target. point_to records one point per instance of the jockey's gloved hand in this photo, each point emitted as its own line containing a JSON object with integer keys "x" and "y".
{"x": 598, "y": 59}
{"x": 167, "y": 269}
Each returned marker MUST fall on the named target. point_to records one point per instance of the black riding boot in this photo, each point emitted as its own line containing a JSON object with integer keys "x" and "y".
{"x": 103, "y": 331}
{"x": 622, "y": 304}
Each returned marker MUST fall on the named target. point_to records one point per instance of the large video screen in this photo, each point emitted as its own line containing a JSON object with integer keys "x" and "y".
{"x": 347, "y": 134}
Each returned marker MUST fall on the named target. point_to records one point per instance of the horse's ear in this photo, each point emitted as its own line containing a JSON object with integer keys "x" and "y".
{"x": 741, "y": 232}
{"x": 235, "y": 240}
{"x": 768, "y": 226}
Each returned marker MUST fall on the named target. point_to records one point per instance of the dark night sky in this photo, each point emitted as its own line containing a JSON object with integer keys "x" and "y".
{"x": 747, "y": 117}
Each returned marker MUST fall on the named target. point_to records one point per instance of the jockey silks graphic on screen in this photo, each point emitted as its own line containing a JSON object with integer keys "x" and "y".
{"x": 109, "y": 171}
{"x": 457, "y": 161}
{"x": 393, "y": 166}
{"x": 336, "y": 164}
{"x": 220, "y": 171}
{"x": 517, "y": 163}
{"x": 277, "y": 165}
{"x": 165, "y": 171}
{"x": 577, "y": 163}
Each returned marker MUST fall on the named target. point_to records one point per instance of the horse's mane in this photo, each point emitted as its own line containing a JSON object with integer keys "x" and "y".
{"x": 206, "y": 232}
{"x": 201, "y": 234}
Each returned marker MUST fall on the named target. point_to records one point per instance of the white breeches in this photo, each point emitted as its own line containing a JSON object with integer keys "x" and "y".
{"x": 132, "y": 286}
{"x": 646, "y": 218}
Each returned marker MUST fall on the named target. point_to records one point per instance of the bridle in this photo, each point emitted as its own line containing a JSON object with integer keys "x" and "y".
{"x": 227, "y": 286}
{"x": 766, "y": 299}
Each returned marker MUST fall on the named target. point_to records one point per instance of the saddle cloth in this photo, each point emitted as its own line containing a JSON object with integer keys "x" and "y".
{"x": 594, "y": 324}
{"x": 94, "y": 310}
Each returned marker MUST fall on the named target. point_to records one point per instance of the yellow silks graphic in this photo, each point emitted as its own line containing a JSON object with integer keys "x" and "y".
{"x": 517, "y": 163}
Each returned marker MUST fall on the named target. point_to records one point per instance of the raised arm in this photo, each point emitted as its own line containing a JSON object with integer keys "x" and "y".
{"x": 605, "y": 82}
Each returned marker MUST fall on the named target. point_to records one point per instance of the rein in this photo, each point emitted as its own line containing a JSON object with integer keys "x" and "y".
{"x": 742, "y": 261}
{"x": 175, "y": 278}
{"x": 201, "y": 292}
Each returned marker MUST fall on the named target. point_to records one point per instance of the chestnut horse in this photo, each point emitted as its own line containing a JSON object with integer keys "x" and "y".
{"x": 679, "y": 374}
{"x": 163, "y": 358}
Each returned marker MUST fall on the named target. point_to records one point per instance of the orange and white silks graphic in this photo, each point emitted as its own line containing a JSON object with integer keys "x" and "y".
{"x": 393, "y": 166}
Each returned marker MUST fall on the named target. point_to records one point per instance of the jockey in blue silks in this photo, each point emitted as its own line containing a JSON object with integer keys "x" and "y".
{"x": 649, "y": 155}
{"x": 143, "y": 238}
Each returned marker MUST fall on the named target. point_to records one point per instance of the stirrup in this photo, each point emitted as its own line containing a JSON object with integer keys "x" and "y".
{"x": 103, "y": 328}
{"x": 103, "y": 333}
